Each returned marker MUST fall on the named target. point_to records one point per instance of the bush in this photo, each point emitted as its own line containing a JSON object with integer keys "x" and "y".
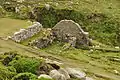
{"x": 26, "y": 65}
{"x": 49, "y": 18}
{"x": 6, "y": 73}
{"x": 25, "y": 76}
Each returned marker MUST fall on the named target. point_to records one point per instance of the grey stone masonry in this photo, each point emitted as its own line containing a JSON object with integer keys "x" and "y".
{"x": 24, "y": 34}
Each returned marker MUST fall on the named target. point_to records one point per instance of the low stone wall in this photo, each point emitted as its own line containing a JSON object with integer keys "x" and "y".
{"x": 27, "y": 33}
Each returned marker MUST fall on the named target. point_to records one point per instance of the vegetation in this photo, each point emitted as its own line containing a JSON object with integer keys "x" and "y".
{"x": 25, "y": 65}
{"x": 6, "y": 72}
{"x": 100, "y": 18}
{"x": 100, "y": 26}
{"x": 19, "y": 67}
{"x": 11, "y": 26}
{"x": 25, "y": 76}
{"x": 93, "y": 62}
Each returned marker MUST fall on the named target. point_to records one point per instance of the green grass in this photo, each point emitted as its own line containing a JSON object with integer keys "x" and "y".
{"x": 100, "y": 65}
{"x": 9, "y": 26}
{"x": 100, "y": 18}
{"x": 97, "y": 64}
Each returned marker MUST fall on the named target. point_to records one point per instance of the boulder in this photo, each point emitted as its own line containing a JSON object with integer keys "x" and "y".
{"x": 88, "y": 78}
{"x": 57, "y": 76}
{"x": 44, "y": 69}
{"x": 76, "y": 73}
{"x": 45, "y": 76}
{"x": 64, "y": 72}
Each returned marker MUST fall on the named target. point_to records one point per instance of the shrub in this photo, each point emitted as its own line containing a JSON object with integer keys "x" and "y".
{"x": 26, "y": 65}
{"x": 25, "y": 76}
{"x": 6, "y": 73}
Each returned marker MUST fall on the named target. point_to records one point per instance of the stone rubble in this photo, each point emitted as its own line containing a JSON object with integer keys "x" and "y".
{"x": 27, "y": 33}
{"x": 43, "y": 42}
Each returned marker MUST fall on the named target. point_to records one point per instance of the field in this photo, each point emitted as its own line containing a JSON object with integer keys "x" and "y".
{"x": 97, "y": 64}
{"x": 102, "y": 63}
{"x": 9, "y": 26}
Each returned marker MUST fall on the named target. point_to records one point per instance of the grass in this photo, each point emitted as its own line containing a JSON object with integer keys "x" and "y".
{"x": 9, "y": 26}
{"x": 100, "y": 18}
{"x": 109, "y": 7}
{"x": 97, "y": 64}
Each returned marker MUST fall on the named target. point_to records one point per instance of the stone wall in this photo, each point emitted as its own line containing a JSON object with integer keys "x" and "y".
{"x": 27, "y": 33}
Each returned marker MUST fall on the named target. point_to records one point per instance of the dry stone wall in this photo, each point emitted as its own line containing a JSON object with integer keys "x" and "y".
{"x": 27, "y": 33}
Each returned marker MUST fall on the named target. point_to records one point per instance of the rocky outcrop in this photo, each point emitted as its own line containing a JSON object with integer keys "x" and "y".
{"x": 57, "y": 75}
{"x": 76, "y": 73}
{"x": 27, "y": 33}
{"x": 64, "y": 72}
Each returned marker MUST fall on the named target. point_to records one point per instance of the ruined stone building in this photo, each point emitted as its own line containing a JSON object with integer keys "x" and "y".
{"x": 65, "y": 31}
{"x": 69, "y": 31}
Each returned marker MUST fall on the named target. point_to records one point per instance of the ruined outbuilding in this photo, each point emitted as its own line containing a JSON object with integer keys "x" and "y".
{"x": 65, "y": 31}
{"x": 69, "y": 31}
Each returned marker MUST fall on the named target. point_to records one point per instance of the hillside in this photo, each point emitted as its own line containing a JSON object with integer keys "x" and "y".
{"x": 23, "y": 60}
